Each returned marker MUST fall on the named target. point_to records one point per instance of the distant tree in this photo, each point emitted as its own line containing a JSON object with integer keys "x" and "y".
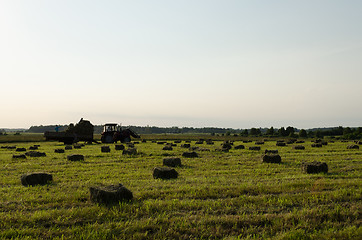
{"x": 244, "y": 133}
{"x": 303, "y": 133}
{"x": 270, "y": 132}
{"x": 347, "y": 131}
{"x": 289, "y": 131}
{"x": 282, "y": 132}
{"x": 255, "y": 132}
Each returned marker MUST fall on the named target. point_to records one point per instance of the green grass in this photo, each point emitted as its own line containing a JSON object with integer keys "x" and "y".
{"x": 217, "y": 196}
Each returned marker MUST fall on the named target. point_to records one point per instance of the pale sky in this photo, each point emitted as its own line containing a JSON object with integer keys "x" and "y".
{"x": 186, "y": 63}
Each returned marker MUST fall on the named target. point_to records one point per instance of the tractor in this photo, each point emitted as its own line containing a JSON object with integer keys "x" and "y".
{"x": 113, "y": 133}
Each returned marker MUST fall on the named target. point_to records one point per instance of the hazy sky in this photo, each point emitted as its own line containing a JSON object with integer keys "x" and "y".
{"x": 195, "y": 63}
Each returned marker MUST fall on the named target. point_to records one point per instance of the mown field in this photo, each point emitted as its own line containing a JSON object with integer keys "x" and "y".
{"x": 218, "y": 195}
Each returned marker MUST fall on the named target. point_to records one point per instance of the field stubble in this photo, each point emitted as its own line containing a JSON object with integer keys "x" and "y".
{"x": 217, "y": 195}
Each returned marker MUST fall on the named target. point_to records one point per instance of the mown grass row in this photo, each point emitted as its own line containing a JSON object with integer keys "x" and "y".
{"x": 217, "y": 195}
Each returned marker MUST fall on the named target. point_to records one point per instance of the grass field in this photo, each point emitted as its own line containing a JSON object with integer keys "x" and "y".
{"x": 219, "y": 195}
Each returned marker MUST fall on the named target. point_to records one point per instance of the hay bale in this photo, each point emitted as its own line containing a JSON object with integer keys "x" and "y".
{"x": 144, "y": 140}
{"x": 259, "y": 143}
{"x": 31, "y": 179}
{"x": 186, "y": 145}
{"x": 167, "y": 148}
{"x": 281, "y": 144}
{"x": 177, "y": 141}
{"x": 21, "y": 156}
{"x": 255, "y": 148}
{"x": 35, "y": 154}
{"x": 110, "y": 194}
{"x": 272, "y": 158}
{"x": 68, "y": 147}
{"x": 11, "y": 147}
{"x": 172, "y": 162}
{"x": 300, "y": 141}
{"x": 190, "y": 155}
{"x": 226, "y": 145}
{"x": 119, "y": 147}
{"x": 130, "y": 145}
{"x": 130, "y": 151}
{"x": 199, "y": 142}
{"x": 317, "y": 145}
{"x": 75, "y": 157}
{"x": 59, "y": 150}
{"x": 239, "y": 147}
{"x": 315, "y": 167}
{"x": 33, "y": 147}
{"x": 76, "y": 146}
{"x": 271, "y": 151}
{"x": 105, "y": 149}
{"x": 299, "y": 147}
{"x": 20, "y": 150}
{"x": 161, "y": 142}
{"x": 164, "y": 173}
{"x": 209, "y": 142}
{"x": 353, "y": 147}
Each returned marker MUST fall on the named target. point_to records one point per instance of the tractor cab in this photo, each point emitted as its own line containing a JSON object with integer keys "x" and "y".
{"x": 111, "y": 127}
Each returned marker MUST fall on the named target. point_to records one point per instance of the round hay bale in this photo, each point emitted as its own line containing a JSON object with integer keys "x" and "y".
{"x": 164, "y": 173}
{"x": 20, "y": 150}
{"x": 167, "y": 148}
{"x": 110, "y": 194}
{"x": 21, "y": 156}
{"x": 130, "y": 151}
{"x": 35, "y": 154}
{"x": 119, "y": 147}
{"x": 271, "y": 151}
{"x": 272, "y": 158}
{"x": 68, "y": 147}
{"x": 31, "y": 179}
{"x": 299, "y": 147}
{"x": 239, "y": 147}
{"x": 353, "y": 147}
{"x": 172, "y": 162}
{"x": 190, "y": 155}
{"x": 105, "y": 149}
{"x": 315, "y": 167}
{"x": 59, "y": 150}
{"x": 75, "y": 157}
{"x": 255, "y": 148}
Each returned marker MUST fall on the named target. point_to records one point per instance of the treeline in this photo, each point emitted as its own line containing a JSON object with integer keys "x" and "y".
{"x": 343, "y": 132}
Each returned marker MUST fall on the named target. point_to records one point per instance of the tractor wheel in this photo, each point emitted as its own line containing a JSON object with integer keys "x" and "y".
{"x": 126, "y": 140}
{"x": 107, "y": 139}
